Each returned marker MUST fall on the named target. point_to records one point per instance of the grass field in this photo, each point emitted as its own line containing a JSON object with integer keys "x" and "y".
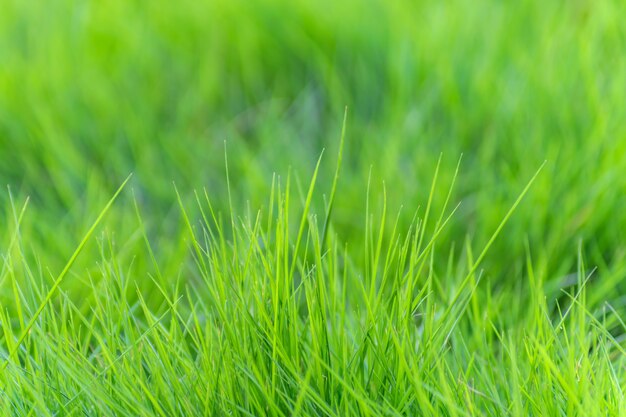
{"x": 307, "y": 208}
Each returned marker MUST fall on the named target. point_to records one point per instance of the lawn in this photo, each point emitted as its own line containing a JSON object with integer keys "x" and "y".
{"x": 329, "y": 208}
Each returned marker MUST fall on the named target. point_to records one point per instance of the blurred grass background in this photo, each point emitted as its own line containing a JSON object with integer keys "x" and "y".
{"x": 91, "y": 91}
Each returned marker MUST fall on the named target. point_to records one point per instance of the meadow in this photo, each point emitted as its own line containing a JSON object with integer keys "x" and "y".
{"x": 330, "y": 208}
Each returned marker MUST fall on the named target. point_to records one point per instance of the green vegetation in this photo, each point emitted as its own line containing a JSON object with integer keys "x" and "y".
{"x": 451, "y": 245}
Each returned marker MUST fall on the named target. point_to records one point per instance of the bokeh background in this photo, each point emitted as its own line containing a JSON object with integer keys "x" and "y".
{"x": 92, "y": 91}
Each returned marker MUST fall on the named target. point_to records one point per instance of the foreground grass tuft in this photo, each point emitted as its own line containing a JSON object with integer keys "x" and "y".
{"x": 276, "y": 319}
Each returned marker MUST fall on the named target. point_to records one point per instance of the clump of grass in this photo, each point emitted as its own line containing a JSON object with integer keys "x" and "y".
{"x": 279, "y": 316}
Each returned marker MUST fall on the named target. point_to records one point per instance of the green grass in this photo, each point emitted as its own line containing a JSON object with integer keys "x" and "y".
{"x": 451, "y": 245}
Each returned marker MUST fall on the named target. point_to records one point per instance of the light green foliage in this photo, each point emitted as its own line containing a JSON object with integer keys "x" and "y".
{"x": 271, "y": 255}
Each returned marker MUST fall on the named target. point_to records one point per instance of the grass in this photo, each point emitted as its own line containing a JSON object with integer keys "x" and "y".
{"x": 275, "y": 254}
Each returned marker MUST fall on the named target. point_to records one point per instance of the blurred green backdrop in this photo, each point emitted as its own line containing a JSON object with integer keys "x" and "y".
{"x": 91, "y": 91}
